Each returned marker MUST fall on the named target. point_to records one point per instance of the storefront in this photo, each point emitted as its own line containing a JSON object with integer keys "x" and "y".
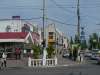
{"x": 9, "y": 41}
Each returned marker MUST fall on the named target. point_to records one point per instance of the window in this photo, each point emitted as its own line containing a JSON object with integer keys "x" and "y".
{"x": 50, "y": 37}
{"x": 50, "y": 33}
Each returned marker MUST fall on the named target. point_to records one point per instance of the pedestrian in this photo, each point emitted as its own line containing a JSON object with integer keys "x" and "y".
{"x": 1, "y": 63}
{"x": 18, "y": 53}
{"x": 4, "y": 60}
{"x": 70, "y": 54}
{"x": 81, "y": 57}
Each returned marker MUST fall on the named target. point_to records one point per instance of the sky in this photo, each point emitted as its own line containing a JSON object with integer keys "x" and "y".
{"x": 61, "y": 12}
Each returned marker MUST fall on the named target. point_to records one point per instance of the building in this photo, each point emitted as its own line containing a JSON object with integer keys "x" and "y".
{"x": 16, "y": 32}
{"x": 55, "y": 37}
{"x": 11, "y": 40}
{"x": 15, "y": 24}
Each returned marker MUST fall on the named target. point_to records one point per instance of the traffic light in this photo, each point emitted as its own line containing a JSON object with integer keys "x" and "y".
{"x": 44, "y": 43}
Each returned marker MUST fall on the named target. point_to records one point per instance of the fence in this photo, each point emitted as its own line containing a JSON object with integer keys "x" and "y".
{"x": 39, "y": 62}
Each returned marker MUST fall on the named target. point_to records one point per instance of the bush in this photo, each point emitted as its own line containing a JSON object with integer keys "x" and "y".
{"x": 50, "y": 51}
{"x": 36, "y": 50}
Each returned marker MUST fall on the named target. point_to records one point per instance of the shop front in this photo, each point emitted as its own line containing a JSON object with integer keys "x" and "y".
{"x": 11, "y": 41}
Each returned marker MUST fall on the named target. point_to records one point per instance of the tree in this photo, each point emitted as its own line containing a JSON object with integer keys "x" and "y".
{"x": 71, "y": 41}
{"x": 50, "y": 51}
{"x": 83, "y": 45}
{"x": 90, "y": 42}
{"x": 76, "y": 40}
{"x": 75, "y": 53}
{"x": 93, "y": 41}
{"x": 99, "y": 43}
{"x": 36, "y": 49}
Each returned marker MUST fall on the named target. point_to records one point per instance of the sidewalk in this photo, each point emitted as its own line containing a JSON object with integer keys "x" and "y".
{"x": 23, "y": 63}
{"x": 68, "y": 62}
{"x": 17, "y": 63}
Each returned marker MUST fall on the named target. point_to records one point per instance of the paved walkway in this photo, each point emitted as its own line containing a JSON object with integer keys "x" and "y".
{"x": 17, "y": 63}
{"x": 66, "y": 61}
{"x": 24, "y": 62}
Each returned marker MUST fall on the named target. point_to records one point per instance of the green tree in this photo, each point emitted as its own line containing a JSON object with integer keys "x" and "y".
{"x": 75, "y": 53}
{"x": 90, "y": 42}
{"x": 84, "y": 45}
{"x": 76, "y": 40}
{"x": 50, "y": 51}
{"x": 36, "y": 49}
{"x": 99, "y": 43}
{"x": 71, "y": 41}
{"x": 93, "y": 41}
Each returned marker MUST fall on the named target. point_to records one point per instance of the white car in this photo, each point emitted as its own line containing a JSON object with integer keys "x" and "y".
{"x": 95, "y": 56}
{"x": 88, "y": 54}
{"x": 65, "y": 54}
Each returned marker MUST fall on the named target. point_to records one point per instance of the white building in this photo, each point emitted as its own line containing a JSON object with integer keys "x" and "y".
{"x": 14, "y": 25}
{"x": 55, "y": 37}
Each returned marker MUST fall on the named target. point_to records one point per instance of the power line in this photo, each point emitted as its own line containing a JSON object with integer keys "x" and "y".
{"x": 19, "y": 7}
{"x": 60, "y": 7}
{"x": 21, "y": 19}
{"x": 60, "y": 22}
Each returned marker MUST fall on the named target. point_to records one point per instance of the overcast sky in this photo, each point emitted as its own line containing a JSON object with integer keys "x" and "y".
{"x": 62, "y": 11}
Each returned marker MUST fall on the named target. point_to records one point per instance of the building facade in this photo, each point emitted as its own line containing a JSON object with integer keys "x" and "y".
{"x": 55, "y": 38}
{"x": 16, "y": 24}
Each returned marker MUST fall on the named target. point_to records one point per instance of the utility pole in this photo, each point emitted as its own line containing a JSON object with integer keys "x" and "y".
{"x": 43, "y": 16}
{"x": 78, "y": 19}
{"x": 44, "y": 38}
{"x": 43, "y": 21}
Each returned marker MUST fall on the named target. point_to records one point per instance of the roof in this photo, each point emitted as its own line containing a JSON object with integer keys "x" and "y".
{"x": 13, "y": 35}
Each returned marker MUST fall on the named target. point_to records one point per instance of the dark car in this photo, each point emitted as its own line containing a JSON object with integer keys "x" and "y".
{"x": 98, "y": 60}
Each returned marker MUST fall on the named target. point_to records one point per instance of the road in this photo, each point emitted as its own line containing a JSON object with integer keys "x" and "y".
{"x": 89, "y": 69}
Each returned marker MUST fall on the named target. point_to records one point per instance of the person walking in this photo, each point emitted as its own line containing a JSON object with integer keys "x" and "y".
{"x": 81, "y": 57}
{"x": 18, "y": 53}
{"x": 4, "y": 60}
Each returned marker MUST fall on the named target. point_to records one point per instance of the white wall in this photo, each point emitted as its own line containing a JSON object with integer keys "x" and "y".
{"x": 15, "y": 25}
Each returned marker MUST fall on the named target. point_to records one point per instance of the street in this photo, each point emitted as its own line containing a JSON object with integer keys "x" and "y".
{"x": 88, "y": 68}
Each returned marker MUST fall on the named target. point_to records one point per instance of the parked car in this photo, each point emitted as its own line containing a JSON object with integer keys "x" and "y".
{"x": 98, "y": 60}
{"x": 94, "y": 57}
{"x": 65, "y": 54}
{"x": 95, "y": 54}
{"x": 88, "y": 54}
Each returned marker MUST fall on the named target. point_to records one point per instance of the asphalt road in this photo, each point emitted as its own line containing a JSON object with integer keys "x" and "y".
{"x": 83, "y": 69}
{"x": 88, "y": 68}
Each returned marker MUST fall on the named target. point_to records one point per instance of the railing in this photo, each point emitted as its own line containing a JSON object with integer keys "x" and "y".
{"x": 36, "y": 62}
{"x": 39, "y": 62}
{"x": 50, "y": 62}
